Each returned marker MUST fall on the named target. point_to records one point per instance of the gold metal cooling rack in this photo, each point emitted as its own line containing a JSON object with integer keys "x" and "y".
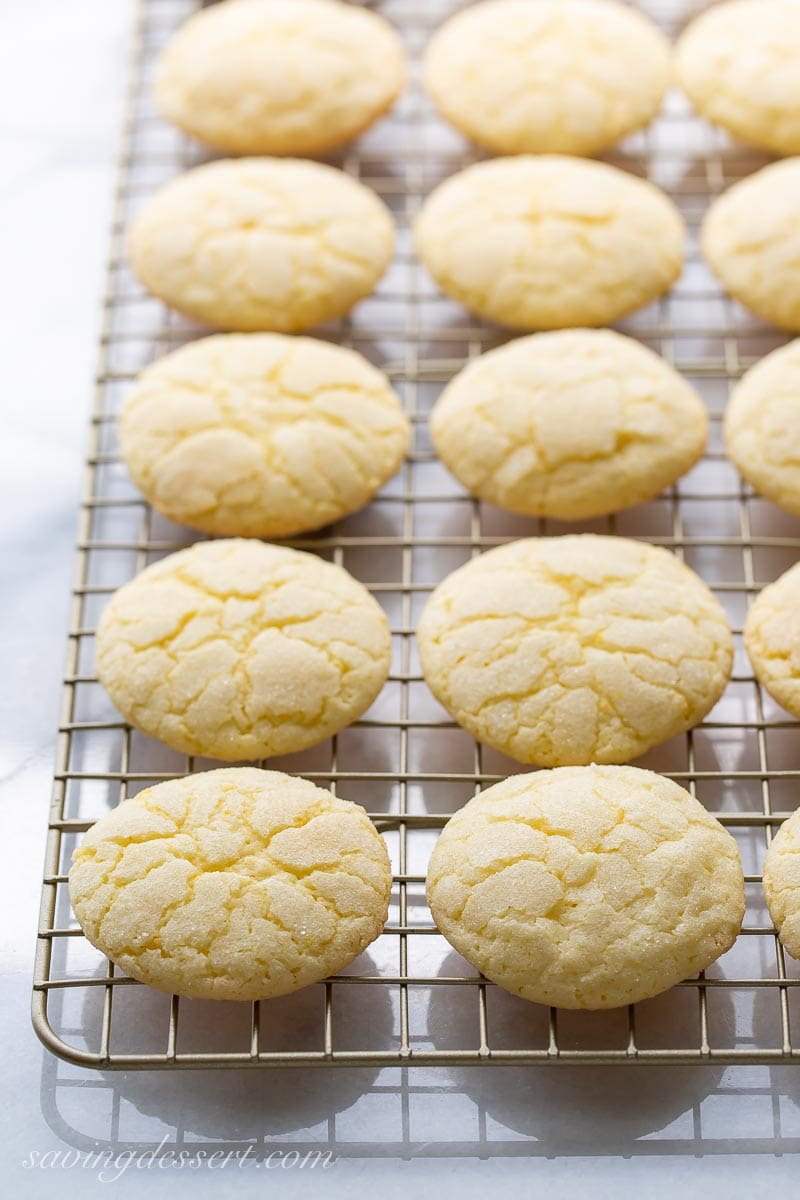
{"x": 410, "y": 1000}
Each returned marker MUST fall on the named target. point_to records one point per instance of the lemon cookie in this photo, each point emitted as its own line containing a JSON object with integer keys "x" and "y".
{"x": 279, "y": 76}
{"x": 235, "y": 884}
{"x": 751, "y": 239}
{"x": 240, "y": 650}
{"x": 260, "y": 243}
{"x": 547, "y": 242}
{"x": 563, "y": 76}
{"x": 772, "y": 639}
{"x": 571, "y": 650}
{"x": 782, "y": 883}
{"x": 762, "y": 427}
{"x": 587, "y": 887}
{"x": 570, "y": 424}
{"x": 260, "y": 434}
{"x": 739, "y": 64}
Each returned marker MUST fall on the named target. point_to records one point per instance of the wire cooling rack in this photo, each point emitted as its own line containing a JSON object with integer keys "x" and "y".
{"x": 410, "y": 999}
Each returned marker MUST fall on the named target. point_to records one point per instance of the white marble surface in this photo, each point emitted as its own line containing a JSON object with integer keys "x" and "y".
{"x": 569, "y": 1132}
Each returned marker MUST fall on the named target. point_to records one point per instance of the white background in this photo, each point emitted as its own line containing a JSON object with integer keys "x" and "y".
{"x": 558, "y": 1131}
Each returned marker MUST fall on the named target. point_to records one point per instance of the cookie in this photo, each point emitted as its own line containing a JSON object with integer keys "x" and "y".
{"x": 549, "y": 242}
{"x": 762, "y": 427}
{"x": 751, "y": 237}
{"x": 279, "y": 76}
{"x": 261, "y": 243}
{"x": 739, "y": 64}
{"x": 587, "y": 887}
{"x": 261, "y": 435}
{"x": 240, "y": 650}
{"x": 772, "y": 639}
{"x": 571, "y": 650}
{"x": 556, "y": 76}
{"x": 234, "y": 884}
{"x": 571, "y": 424}
{"x": 782, "y": 883}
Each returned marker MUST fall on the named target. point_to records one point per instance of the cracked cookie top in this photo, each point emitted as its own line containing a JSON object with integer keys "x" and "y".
{"x": 751, "y": 240}
{"x": 587, "y": 887}
{"x": 571, "y": 424}
{"x": 772, "y": 639}
{"x": 279, "y": 76}
{"x": 236, "y": 884}
{"x": 782, "y": 883}
{"x": 546, "y": 242}
{"x": 262, "y": 243}
{"x": 571, "y": 650}
{"x": 261, "y": 435}
{"x": 739, "y": 64}
{"x": 557, "y": 76}
{"x": 239, "y": 650}
{"x": 762, "y": 426}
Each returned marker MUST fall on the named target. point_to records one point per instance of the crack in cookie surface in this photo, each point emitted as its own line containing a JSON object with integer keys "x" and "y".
{"x": 578, "y": 649}
{"x": 280, "y": 76}
{"x": 547, "y": 241}
{"x": 261, "y": 435}
{"x": 572, "y": 424}
{"x": 772, "y": 639}
{"x": 239, "y": 650}
{"x": 587, "y": 887}
{"x": 739, "y": 64}
{"x": 262, "y": 243}
{"x": 558, "y": 76}
{"x": 750, "y": 238}
{"x": 762, "y": 427}
{"x": 782, "y": 883}
{"x": 233, "y": 884}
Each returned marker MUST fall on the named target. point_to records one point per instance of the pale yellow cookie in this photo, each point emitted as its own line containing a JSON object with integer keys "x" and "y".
{"x": 571, "y": 650}
{"x": 782, "y": 883}
{"x": 548, "y": 242}
{"x": 571, "y": 424}
{"x": 240, "y": 650}
{"x": 547, "y": 76}
{"x": 762, "y": 427}
{"x": 772, "y": 639}
{"x": 587, "y": 887}
{"x": 739, "y": 64}
{"x": 751, "y": 241}
{"x": 280, "y": 76}
{"x": 261, "y": 435}
{"x": 235, "y": 884}
{"x": 262, "y": 243}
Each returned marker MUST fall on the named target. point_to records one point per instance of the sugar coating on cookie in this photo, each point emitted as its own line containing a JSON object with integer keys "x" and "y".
{"x": 739, "y": 64}
{"x": 782, "y": 883}
{"x": 240, "y": 650}
{"x": 261, "y": 434}
{"x": 235, "y": 884}
{"x": 762, "y": 427}
{"x": 571, "y": 424}
{"x": 279, "y": 76}
{"x": 571, "y": 650}
{"x": 587, "y": 887}
{"x": 549, "y": 242}
{"x": 262, "y": 244}
{"x": 556, "y": 76}
{"x": 772, "y": 639}
{"x": 751, "y": 239}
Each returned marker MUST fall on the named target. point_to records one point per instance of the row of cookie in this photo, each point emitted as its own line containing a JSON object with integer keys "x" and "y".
{"x": 557, "y": 651}
{"x": 265, "y": 435}
{"x": 588, "y": 888}
{"x": 516, "y": 76}
{"x": 541, "y": 242}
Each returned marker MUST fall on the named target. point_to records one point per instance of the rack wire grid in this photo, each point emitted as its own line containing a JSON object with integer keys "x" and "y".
{"x": 410, "y": 999}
